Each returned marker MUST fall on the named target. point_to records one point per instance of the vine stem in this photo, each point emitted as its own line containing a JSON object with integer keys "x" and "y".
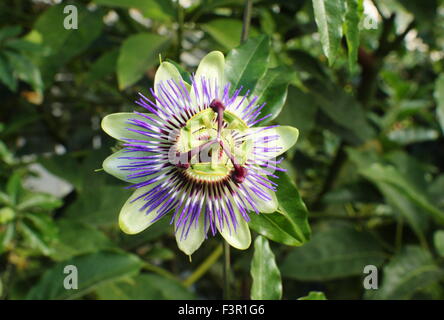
{"x": 160, "y": 271}
{"x": 203, "y": 268}
{"x": 246, "y": 20}
{"x": 180, "y": 18}
{"x": 227, "y": 270}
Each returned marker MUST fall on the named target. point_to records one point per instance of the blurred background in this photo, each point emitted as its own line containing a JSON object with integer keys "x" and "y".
{"x": 369, "y": 162}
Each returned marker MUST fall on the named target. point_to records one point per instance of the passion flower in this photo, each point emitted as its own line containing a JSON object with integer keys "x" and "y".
{"x": 197, "y": 157}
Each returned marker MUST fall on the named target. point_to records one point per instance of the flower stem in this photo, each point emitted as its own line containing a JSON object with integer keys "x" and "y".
{"x": 180, "y": 20}
{"x": 246, "y": 20}
{"x": 227, "y": 270}
{"x": 160, "y": 271}
{"x": 203, "y": 268}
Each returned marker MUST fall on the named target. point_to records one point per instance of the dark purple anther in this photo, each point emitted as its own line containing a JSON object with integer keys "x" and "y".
{"x": 239, "y": 174}
{"x": 217, "y": 105}
{"x": 183, "y": 165}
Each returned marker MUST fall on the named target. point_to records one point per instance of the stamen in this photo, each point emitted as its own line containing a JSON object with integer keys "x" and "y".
{"x": 229, "y": 155}
{"x": 190, "y": 154}
{"x": 239, "y": 172}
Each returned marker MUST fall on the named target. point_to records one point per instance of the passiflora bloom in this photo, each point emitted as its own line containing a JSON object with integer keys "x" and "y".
{"x": 197, "y": 157}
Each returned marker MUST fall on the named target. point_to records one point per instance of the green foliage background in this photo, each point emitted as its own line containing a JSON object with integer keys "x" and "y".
{"x": 362, "y": 80}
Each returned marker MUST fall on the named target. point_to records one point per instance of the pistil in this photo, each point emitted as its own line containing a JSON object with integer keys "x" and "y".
{"x": 218, "y": 107}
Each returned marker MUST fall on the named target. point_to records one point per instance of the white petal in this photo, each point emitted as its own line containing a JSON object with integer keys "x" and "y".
{"x": 238, "y": 106}
{"x": 167, "y": 71}
{"x": 131, "y": 219}
{"x": 195, "y": 237}
{"x": 239, "y": 238}
{"x": 113, "y": 163}
{"x": 211, "y": 68}
{"x": 283, "y": 138}
{"x": 116, "y": 125}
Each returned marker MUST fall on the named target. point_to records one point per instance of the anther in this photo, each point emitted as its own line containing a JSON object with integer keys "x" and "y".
{"x": 239, "y": 174}
{"x": 217, "y": 105}
{"x": 183, "y": 165}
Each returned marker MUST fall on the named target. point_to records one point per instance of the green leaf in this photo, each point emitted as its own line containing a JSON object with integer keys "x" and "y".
{"x": 353, "y": 16}
{"x": 290, "y": 224}
{"x": 138, "y": 53}
{"x": 314, "y": 295}
{"x": 438, "y": 240}
{"x": 299, "y": 111}
{"x": 305, "y": 62}
{"x": 267, "y": 21}
{"x": 226, "y": 31}
{"x": 292, "y": 205}
{"x": 5, "y": 154}
{"x": 388, "y": 174}
{"x": 25, "y": 47}
{"x": 160, "y": 10}
{"x": 402, "y": 184}
{"x": 7, "y": 214}
{"x": 4, "y": 199}
{"x": 44, "y": 223}
{"x": 9, "y": 32}
{"x": 144, "y": 287}
{"x": 409, "y": 271}
{"x": 93, "y": 269}
{"x": 14, "y": 186}
{"x": 329, "y": 16}
{"x": 434, "y": 189}
{"x": 267, "y": 284}
{"x": 439, "y": 97}
{"x": 99, "y": 206}
{"x": 25, "y": 70}
{"x": 342, "y": 108}
{"x": 64, "y": 44}
{"x": 415, "y": 216}
{"x": 272, "y": 90}
{"x": 40, "y": 201}
{"x": 6, "y": 73}
{"x": 334, "y": 253}
{"x": 103, "y": 66}
{"x": 6, "y": 237}
{"x": 76, "y": 238}
{"x": 39, "y": 232}
{"x": 275, "y": 227}
{"x": 246, "y": 64}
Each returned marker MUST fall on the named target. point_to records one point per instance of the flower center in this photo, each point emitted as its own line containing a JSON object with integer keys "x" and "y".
{"x": 210, "y": 146}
